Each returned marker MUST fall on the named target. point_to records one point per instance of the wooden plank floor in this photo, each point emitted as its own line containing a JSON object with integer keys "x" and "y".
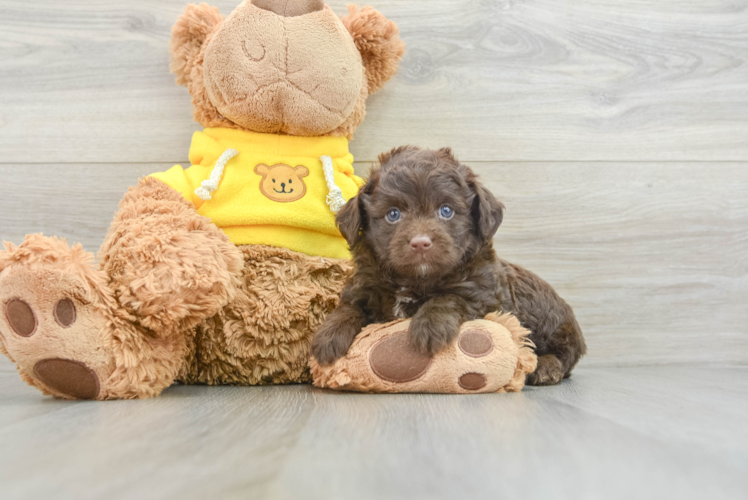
{"x": 615, "y": 433}
{"x": 616, "y": 133}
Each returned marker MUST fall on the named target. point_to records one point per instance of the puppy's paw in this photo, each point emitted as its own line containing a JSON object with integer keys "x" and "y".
{"x": 549, "y": 371}
{"x": 430, "y": 333}
{"x": 332, "y": 341}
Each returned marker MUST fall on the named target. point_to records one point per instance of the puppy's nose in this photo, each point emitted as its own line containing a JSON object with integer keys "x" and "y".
{"x": 290, "y": 8}
{"x": 420, "y": 243}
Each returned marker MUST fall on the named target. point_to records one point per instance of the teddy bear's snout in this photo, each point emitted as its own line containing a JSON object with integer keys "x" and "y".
{"x": 290, "y": 73}
{"x": 290, "y": 8}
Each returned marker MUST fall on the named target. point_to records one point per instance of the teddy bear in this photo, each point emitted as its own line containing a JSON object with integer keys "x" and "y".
{"x": 221, "y": 272}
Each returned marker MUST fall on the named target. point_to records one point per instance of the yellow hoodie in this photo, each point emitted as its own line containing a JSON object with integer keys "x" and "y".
{"x": 267, "y": 189}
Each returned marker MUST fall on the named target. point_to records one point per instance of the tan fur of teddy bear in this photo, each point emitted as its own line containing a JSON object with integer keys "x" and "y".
{"x": 492, "y": 354}
{"x": 172, "y": 299}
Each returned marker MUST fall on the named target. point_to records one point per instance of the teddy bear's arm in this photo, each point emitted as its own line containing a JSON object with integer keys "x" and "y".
{"x": 168, "y": 265}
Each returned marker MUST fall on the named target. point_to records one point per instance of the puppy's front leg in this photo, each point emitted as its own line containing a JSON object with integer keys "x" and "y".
{"x": 437, "y": 323}
{"x": 337, "y": 333}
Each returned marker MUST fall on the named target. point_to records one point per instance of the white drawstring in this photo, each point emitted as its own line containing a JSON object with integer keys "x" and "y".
{"x": 334, "y": 198}
{"x": 211, "y": 184}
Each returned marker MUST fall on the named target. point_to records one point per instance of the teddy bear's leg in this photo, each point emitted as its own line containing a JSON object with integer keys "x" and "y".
{"x": 125, "y": 330}
{"x": 488, "y": 355}
{"x": 61, "y": 324}
{"x": 58, "y": 318}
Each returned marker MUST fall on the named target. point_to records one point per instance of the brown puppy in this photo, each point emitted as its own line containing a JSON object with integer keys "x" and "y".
{"x": 421, "y": 232}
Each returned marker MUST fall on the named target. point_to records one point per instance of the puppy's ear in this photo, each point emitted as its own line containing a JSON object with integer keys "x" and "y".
{"x": 188, "y": 36}
{"x": 353, "y": 218}
{"x": 487, "y": 211}
{"x": 378, "y": 41}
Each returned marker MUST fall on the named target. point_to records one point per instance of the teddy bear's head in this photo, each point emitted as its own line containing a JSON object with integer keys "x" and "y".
{"x": 282, "y": 182}
{"x": 283, "y": 66}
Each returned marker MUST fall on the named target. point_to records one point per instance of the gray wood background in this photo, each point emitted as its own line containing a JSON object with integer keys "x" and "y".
{"x": 615, "y": 132}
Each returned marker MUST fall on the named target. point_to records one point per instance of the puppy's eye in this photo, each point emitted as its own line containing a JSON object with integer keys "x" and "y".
{"x": 273, "y": 181}
{"x": 446, "y": 212}
{"x": 393, "y": 215}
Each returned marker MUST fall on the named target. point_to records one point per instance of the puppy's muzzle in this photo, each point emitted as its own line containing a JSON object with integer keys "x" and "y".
{"x": 420, "y": 243}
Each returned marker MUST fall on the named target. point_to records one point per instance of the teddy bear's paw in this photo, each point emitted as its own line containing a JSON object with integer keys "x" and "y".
{"x": 394, "y": 359}
{"x": 486, "y": 356}
{"x": 52, "y": 325}
{"x": 481, "y": 359}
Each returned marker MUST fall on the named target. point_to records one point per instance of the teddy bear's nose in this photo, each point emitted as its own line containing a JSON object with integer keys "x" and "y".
{"x": 290, "y": 8}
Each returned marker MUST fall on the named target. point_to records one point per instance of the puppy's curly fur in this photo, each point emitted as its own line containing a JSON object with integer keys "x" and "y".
{"x": 416, "y": 258}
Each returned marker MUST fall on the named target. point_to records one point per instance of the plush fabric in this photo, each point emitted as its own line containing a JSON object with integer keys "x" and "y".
{"x": 227, "y": 288}
{"x": 225, "y": 315}
{"x": 264, "y": 336}
{"x": 315, "y": 71}
{"x": 375, "y": 37}
{"x": 26, "y": 273}
{"x": 489, "y": 355}
{"x": 304, "y": 224}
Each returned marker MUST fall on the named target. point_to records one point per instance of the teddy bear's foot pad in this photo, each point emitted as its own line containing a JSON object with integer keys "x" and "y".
{"x": 490, "y": 355}
{"x": 67, "y": 377}
{"x": 51, "y": 321}
{"x": 393, "y": 359}
{"x": 71, "y": 378}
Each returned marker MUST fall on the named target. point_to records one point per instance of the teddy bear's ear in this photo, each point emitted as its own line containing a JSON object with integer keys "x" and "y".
{"x": 378, "y": 40}
{"x": 301, "y": 171}
{"x": 188, "y": 36}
